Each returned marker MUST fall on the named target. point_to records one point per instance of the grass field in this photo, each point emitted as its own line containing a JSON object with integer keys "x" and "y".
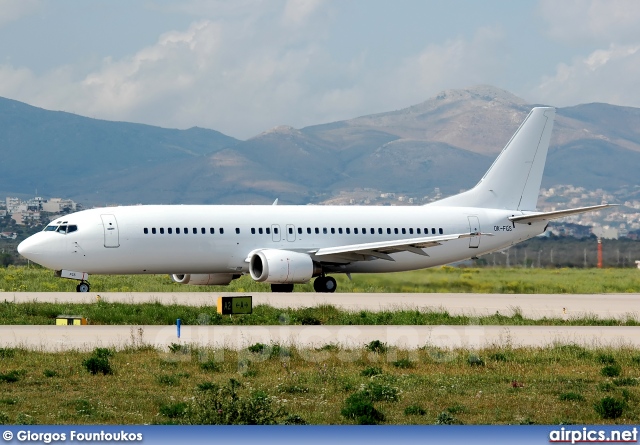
{"x": 272, "y": 384}
{"x": 264, "y": 384}
{"x": 440, "y": 279}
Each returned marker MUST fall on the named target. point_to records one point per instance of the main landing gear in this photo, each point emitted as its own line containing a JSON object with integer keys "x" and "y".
{"x": 325, "y": 284}
{"x": 83, "y": 287}
{"x": 321, "y": 284}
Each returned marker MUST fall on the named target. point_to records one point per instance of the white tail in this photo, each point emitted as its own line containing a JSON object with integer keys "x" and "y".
{"x": 513, "y": 180}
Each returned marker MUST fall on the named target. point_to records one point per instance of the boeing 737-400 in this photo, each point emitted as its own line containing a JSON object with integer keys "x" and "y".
{"x": 283, "y": 245}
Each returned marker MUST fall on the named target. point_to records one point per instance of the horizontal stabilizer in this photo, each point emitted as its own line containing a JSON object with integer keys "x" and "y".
{"x": 547, "y": 216}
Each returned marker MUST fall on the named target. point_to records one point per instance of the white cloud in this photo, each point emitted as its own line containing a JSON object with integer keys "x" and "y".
{"x": 609, "y": 76}
{"x": 11, "y": 10}
{"x": 598, "y": 22}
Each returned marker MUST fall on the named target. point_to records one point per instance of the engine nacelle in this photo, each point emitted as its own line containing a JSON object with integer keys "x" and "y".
{"x": 204, "y": 279}
{"x": 282, "y": 266}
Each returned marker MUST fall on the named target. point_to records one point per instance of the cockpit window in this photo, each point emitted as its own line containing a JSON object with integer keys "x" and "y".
{"x": 63, "y": 228}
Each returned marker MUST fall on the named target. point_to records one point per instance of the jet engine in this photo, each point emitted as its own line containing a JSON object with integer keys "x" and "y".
{"x": 282, "y": 266}
{"x": 204, "y": 279}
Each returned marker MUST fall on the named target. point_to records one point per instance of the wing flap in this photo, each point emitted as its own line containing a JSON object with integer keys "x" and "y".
{"x": 382, "y": 249}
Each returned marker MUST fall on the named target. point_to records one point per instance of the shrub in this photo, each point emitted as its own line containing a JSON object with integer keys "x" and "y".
{"x": 50, "y": 373}
{"x": 99, "y": 361}
{"x": 377, "y": 392}
{"x": 609, "y": 408}
{"x": 224, "y": 406}
{"x": 377, "y": 346}
{"x": 169, "y": 380}
{"x": 359, "y": 408}
{"x": 498, "y": 357}
{"x": 611, "y": 370}
{"x": 294, "y": 419}
{"x": 445, "y": 418}
{"x": 625, "y": 381}
{"x": 7, "y": 352}
{"x": 4, "y": 419}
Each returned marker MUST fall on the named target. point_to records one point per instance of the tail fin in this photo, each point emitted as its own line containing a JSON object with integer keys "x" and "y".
{"x": 513, "y": 181}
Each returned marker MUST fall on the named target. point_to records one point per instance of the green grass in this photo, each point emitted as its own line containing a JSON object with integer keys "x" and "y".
{"x": 439, "y": 279}
{"x": 551, "y": 385}
{"x": 104, "y": 313}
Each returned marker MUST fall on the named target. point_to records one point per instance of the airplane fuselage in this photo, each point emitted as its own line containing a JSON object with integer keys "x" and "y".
{"x": 200, "y": 239}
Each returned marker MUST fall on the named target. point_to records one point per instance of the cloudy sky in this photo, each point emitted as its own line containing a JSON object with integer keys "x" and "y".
{"x": 244, "y": 66}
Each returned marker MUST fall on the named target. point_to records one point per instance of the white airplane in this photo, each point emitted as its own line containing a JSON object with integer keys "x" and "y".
{"x": 284, "y": 245}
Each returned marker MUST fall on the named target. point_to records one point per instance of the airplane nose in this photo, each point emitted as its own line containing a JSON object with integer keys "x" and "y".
{"x": 26, "y": 248}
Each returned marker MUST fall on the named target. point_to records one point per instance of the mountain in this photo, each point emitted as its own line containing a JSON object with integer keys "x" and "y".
{"x": 445, "y": 142}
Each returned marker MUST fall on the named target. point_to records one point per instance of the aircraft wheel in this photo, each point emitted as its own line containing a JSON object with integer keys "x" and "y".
{"x": 288, "y": 287}
{"x": 83, "y": 287}
{"x": 325, "y": 284}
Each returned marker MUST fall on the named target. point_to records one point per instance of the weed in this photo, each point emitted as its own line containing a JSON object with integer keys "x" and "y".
{"x": 174, "y": 410}
{"x": 294, "y": 419}
{"x": 414, "y": 410}
{"x": 625, "y": 381}
{"x": 225, "y": 406}
{"x": 7, "y": 352}
{"x": 10, "y": 377}
{"x": 376, "y": 346}
{"x": 4, "y": 418}
{"x": 50, "y": 373}
{"x": 445, "y": 418}
{"x": 499, "y": 357}
{"x": 371, "y": 371}
{"x": 404, "y": 363}
{"x": 611, "y": 370}
{"x": 168, "y": 380}
{"x": 474, "y": 360}
{"x": 609, "y": 408}
{"x": 210, "y": 366}
{"x": 381, "y": 392}
{"x": 571, "y": 397}
{"x": 606, "y": 359}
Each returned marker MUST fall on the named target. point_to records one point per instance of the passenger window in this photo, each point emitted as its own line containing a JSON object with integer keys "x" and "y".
{"x": 388, "y": 231}
{"x": 299, "y": 230}
{"x": 317, "y": 230}
{"x": 253, "y": 230}
{"x": 195, "y": 231}
{"x": 355, "y": 230}
{"x": 290, "y": 230}
{"x": 186, "y": 231}
{"x": 373, "y": 231}
{"x": 410, "y": 231}
{"x": 178, "y": 230}
{"x": 340, "y": 230}
{"x": 260, "y": 230}
{"x": 169, "y": 230}
{"x": 309, "y": 230}
{"x": 364, "y": 231}
{"x": 433, "y": 231}
{"x": 212, "y": 230}
{"x": 333, "y": 230}
{"x": 418, "y": 231}
{"x": 146, "y": 231}
{"x": 161, "y": 230}
{"x": 153, "y": 230}
{"x": 379, "y": 230}
{"x": 275, "y": 230}
{"x": 324, "y": 230}
{"x": 395, "y": 230}
{"x": 268, "y": 230}
{"x": 202, "y": 230}
{"x": 237, "y": 230}
{"x": 221, "y": 231}
{"x": 348, "y": 230}
{"x": 441, "y": 231}
{"x": 404, "y": 231}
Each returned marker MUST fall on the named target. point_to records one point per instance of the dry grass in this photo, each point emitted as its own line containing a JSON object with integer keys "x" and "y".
{"x": 492, "y": 386}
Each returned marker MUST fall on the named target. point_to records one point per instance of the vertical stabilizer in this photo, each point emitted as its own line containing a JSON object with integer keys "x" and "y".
{"x": 513, "y": 181}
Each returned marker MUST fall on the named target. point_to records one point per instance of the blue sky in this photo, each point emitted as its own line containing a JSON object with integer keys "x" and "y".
{"x": 244, "y": 66}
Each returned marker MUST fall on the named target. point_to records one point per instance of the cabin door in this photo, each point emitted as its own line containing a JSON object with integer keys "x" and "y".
{"x": 111, "y": 236}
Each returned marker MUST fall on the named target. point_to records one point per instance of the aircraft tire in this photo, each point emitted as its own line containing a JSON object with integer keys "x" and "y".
{"x": 83, "y": 287}
{"x": 288, "y": 287}
{"x": 325, "y": 284}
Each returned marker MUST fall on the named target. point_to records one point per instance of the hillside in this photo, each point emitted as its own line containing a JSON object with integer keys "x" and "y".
{"x": 447, "y": 142}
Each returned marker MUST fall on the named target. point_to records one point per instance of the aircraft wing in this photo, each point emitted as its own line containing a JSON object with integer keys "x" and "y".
{"x": 382, "y": 249}
{"x": 547, "y": 216}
